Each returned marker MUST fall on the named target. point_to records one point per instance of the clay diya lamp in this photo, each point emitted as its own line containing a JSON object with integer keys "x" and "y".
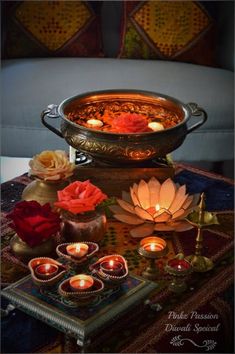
{"x": 179, "y": 268}
{"x": 81, "y": 289}
{"x": 78, "y": 253}
{"x": 112, "y": 269}
{"x": 152, "y": 248}
{"x": 46, "y": 271}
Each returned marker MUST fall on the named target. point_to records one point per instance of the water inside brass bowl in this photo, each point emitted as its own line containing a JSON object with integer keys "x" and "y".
{"x": 123, "y": 147}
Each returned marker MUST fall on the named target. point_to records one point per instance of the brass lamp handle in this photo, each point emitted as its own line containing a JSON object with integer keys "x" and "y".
{"x": 196, "y": 112}
{"x": 51, "y": 112}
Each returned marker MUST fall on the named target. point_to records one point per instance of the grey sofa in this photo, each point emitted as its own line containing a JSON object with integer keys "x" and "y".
{"x": 29, "y": 85}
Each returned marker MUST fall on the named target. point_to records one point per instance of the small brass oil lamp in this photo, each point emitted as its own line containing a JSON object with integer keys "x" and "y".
{"x": 152, "y": 248}
{"x": 201, "y": 219}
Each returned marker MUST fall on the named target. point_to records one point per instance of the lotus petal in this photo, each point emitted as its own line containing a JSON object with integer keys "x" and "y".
{"x": 126, "y": 206}
{"x": 159, "y": 212}
{"x": 163, "y": 217}
{"x": 129, "y": 219}
{"x": 178, "y": 214}
{"x": 167, "y": 193}
{"x": 143, "y": 194}
{"x": 181, "y": 226}
{"x": 143, "y": 214}
{"x": 116, "y": 209}
{"x": 179, "y": 200}
{"x": 163, "y": 227}
{"x": 134, "y": 197}
{"x": 187, "y": 202}
{"x": 126, "y": 196}
{"x": 142, "y": 230}
{"x": 154, "y": 189}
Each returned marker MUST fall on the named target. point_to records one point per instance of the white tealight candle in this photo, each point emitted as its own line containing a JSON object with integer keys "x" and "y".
{"x": 95, "y": 123}
{"x": 155, "y": 126}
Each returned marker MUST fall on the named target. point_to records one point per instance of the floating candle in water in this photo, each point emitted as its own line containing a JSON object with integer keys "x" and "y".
{"x": 95, "y": 123}
{"x": 77, "y": 250}
{"x": 46, "y": 270}
{"x": 81, "y": 282}
{"x": 155, "y": 126}
{"x": 111, "y": 267}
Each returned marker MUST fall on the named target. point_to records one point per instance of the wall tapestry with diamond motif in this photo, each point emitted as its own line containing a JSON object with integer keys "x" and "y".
{"x": 169, "y": 30}
{"x": 51, "y": 28}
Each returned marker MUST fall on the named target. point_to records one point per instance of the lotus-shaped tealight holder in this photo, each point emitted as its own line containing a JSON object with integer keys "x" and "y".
{"x": 76, "y": 262}
{"x": 109, "y": 279}
{"x": 155, "y": 206}
{"x": 50, "y": 280}
{"x": 81, "y": 298}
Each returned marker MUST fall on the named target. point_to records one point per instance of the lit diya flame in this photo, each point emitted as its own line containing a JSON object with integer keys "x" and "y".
{"x": 155, "y": 206}
{"x": 81, "y": 282}
{"x": 113, "y": 267}
{"x": 77, "y": 250}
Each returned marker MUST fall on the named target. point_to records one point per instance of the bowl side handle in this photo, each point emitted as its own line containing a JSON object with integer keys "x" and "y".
{"x": 51, "y": 112}
{"x": 196, "y": 112}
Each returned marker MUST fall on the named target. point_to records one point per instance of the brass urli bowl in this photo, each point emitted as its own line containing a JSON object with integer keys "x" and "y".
{"x": 125, "y": 147}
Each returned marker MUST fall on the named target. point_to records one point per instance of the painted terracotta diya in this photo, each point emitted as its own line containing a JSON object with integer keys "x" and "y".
{"x": 77, "y": 253}
{"x": 111, "y": 269}
{"x": 81, "y": 289}
{"x": 46, "y": 271}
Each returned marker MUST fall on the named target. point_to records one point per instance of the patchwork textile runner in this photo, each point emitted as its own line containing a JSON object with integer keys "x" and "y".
{"x": 198, "y": 320}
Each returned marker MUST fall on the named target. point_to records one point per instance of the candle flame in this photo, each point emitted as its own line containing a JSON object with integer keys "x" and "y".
{"x": 82, "y": 283}
{"x": 157, "y": 207}
{"x": 111, "y": 263}
{"x": 152, "y": 246}
{"x": 78, "y": 247}
{"x": 47, "y": 267}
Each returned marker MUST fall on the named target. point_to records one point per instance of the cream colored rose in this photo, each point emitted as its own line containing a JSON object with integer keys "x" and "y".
{"x": 51, "y": 165}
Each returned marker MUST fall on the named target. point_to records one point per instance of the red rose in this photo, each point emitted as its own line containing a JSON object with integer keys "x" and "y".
{"x": 33, "y": 222}
{"x": 79, "y": 197}
{"x": 130, "y": 123}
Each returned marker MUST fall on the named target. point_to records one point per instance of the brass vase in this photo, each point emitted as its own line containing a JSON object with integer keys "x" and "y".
{"x": 88, "y": 226}
{"x": 43, "y": 191}
{"x": 23, "y": 251}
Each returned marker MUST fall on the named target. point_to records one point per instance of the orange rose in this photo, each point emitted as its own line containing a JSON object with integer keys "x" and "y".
{"x": 130, "y": 123}
{"x": 79, "y": 197}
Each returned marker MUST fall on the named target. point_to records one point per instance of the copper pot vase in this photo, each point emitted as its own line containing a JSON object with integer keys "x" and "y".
{"x": 43, "y": 191}
{"x": 23, "y": 251}
{"x": 88, "y": 226}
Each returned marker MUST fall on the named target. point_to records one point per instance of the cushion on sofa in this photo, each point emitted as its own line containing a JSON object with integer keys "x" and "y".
{"x": 29, "y": 85}
{"x": 169, "y": 30}
{"x": 51, "y": 28}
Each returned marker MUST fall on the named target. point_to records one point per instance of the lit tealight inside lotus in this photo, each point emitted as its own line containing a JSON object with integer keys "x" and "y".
{"x": 155, "y": 126}
{"x": 95, "y": 123}
{"x": 157, "y": 207}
